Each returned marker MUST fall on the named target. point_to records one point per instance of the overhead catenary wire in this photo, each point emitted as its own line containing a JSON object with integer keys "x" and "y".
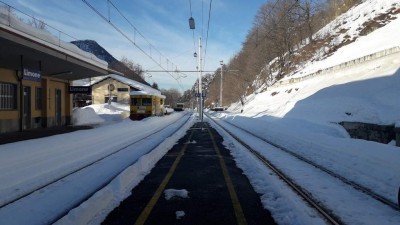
{"x": 133, "y": 41}
{"x": 208, "y": 28}
{"x": 191, "y": 16}
{"x": 137, "y": 31}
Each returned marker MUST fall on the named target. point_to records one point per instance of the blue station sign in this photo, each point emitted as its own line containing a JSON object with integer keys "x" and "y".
{"x": 33, "y": 75}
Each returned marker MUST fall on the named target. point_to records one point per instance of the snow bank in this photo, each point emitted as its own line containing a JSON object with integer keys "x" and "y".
{"x": 85, "y": 116}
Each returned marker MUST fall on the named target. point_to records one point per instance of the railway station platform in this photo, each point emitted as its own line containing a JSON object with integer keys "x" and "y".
{"x": 196, "y": 182}
{"x": 11, "y": 137}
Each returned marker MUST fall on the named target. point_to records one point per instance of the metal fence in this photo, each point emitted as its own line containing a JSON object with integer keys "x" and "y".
{"x": 25, "y": 24}
{"x": 341, "y": 66}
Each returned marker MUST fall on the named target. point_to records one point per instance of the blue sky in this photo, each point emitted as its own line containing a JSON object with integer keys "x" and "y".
{"x": 163, "y": 23}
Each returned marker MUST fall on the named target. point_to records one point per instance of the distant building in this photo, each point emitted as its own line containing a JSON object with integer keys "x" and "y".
{"x": 118, "y": 88}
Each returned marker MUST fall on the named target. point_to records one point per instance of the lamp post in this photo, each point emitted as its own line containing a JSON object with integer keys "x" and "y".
{"x": 220, "y": 89}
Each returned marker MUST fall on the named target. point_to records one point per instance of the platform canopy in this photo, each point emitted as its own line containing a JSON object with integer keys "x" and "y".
{"x": 20, "y": 48}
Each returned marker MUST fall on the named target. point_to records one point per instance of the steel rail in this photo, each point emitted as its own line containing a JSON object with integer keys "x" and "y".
{"x": 327, "y": 214}
{"x": 326, "y": 170}
{"x": 108, "y": 181}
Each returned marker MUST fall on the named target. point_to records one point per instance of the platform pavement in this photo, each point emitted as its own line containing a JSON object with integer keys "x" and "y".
{"x": 11, "y": 137}
{"x": 218, "y": 192}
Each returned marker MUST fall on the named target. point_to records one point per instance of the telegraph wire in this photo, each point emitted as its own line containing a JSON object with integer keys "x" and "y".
{"x": 190, "y": 6}
{"x": 130, "y": 40}
{"x": 191, "y": 16}
{"x": 208, "y": 28}
{"x": 136, "y": 30}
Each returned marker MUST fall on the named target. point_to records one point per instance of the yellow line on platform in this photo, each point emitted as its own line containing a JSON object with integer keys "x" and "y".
{"x": 241, "y": 220}
{"x": 149, "y": 207}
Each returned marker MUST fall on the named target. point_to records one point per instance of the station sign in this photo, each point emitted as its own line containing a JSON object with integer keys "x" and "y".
{"x": 201, "y": 94}
{"x": 80, "y": 89}
{"x": 33, "y": 75}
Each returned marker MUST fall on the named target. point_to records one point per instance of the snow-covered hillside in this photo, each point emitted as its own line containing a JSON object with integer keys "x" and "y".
{"x": 352, "y": 31}
{"x": 304, "y": 115}
{"x": 366, "y": 92}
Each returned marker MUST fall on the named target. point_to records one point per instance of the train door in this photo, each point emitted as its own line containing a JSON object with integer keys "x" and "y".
{"x": 58, "y": 107}
{"x": 27, "y": 108}
{"x": 154, "y": 108}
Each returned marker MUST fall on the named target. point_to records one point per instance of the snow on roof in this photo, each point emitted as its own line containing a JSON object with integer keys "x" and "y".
{"x": 10, "y": 20}
{"x": 134, "y": 93}
{"x": 135, "y": 84}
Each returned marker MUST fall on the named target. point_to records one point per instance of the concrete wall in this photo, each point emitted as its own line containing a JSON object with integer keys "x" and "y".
{"x": 371, "y": 132}
{"x": 10, "y": 120}
{"x": 100, "y": 91}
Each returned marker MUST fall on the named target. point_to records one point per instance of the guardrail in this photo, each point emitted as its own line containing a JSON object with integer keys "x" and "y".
{"x": 29, "y": 25}
{"x": 347, "y": 64}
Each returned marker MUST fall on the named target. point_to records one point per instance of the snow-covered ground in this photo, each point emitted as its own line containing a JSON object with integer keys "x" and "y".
{"x": 26, "y": 165}
{"x": 347, "y": 27}
{"x": 303, "y": 117}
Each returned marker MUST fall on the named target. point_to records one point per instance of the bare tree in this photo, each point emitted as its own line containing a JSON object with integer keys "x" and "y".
{"x": 281, "y": 38}
{"x": 155, "y": 85}
{"x": 172, "y": 96}
{"x": 136, "y": 68}
{"x": 36, "y": 23}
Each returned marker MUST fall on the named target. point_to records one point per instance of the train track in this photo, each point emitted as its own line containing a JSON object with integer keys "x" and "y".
{"x": 327, "y": 214}
{"x": 182, "y": 121}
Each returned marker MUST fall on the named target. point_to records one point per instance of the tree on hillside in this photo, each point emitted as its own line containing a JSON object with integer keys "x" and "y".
{"x": 172, "y": 96}
{"x": 136, "y": 68}
{"x": 281, "y": 39}
{"x": 155, "y": 85}
{"x": 337, "y": 7}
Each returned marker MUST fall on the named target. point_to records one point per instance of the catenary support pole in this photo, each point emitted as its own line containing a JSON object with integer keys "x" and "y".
{"x": 220, "y": 89}
{"x": 200, "y": 86}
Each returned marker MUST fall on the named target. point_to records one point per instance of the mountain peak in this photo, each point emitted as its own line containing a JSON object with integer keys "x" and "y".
{"x": 97, "y": 50}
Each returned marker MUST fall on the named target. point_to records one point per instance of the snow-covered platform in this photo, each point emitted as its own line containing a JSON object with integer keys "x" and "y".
{"x": 196, "y": 182}
{"x": 39, "y": 133}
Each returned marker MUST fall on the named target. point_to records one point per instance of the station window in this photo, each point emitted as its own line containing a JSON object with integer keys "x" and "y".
{"x": 8, "y": 96}
{"x": 39, "y": 98}
{"x": 113, "y": 99}
{"x": 122, "y": 89}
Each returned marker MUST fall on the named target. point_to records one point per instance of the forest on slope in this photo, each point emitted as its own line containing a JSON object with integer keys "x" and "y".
{"x": 281, "y": 40}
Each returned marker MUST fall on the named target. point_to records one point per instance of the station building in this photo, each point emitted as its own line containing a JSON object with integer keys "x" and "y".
{"x": 117, "y": 88}
{"x": 36, "y": 71}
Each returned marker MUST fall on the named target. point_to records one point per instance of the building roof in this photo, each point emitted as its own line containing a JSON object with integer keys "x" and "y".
{"x": 40, "y": 49}
{"x": 132, "y": 83}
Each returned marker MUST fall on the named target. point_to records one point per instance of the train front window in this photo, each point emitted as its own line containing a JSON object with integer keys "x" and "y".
{"x": 146, "y": 102}
{"x": 136, "y": 101}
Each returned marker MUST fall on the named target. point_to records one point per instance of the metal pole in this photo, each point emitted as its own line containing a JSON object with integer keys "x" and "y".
{"x": 220, "y": 89}
{"x": 21, "y": 96}
{"x": 200, "y": 88}
{"x": 109, "y": 92}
